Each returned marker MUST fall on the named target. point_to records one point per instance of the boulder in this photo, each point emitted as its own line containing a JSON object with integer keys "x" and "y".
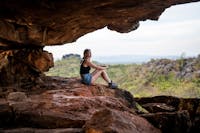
{"x": 17, "y": 96}
{"x": 22, "y": 68}
{"x": 112, "y": 121}
{"x": 177, "y": 114}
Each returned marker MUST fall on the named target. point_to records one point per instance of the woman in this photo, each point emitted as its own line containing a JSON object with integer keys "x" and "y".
{"x": 89, "y": 78}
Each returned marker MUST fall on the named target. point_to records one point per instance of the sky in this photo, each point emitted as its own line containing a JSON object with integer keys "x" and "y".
{"x": 175, "y": 33}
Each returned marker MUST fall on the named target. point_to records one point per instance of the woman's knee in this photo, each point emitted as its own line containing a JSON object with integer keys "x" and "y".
{"x": 104, "y": 71}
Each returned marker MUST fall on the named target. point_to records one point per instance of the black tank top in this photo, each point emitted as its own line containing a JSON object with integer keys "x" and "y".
{"x": 84, "y": 70}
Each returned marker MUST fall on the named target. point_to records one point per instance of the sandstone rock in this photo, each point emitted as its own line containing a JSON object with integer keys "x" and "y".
{"x": 70, "y": 106}
{"x": 66, "y": 103}
{"x": 174, "y": 122}
{"x": 41, "y": 60}
{"x": 6, "y": 114}
{"x": 33, "y": 23}
{"x": 36, "y": 130}
{"x": 22, "y": 68}
{"x": 17, "y": 96}
{"x": 158, "y": 107}
{"x": 112, "y": 121}
{"x": 185, "y": 118}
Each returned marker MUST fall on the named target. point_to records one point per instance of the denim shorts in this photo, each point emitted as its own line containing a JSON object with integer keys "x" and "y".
{"x": 87, "y": 78}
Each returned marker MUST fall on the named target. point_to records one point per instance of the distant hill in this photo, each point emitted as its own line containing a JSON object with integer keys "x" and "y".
{"x": 178, "y": 77}
{"x": 66, "y": 56}
{"x": 129, "y": 59}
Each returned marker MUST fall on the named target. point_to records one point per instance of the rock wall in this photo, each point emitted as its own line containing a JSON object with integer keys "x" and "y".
{"x": 22, "y": 68}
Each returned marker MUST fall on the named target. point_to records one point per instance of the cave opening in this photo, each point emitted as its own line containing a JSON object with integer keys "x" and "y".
{"x": 22, "y": 55}
{"x": 175, "y": 33}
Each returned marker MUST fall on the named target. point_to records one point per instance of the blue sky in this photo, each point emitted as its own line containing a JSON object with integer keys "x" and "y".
{"x": 176, "y": 32}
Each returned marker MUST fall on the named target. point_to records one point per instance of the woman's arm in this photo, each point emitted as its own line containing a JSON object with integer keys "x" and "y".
{"x": 95, "y": 66}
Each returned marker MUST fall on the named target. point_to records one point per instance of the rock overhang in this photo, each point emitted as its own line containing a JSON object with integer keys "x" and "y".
{"x": 39, "y": 23}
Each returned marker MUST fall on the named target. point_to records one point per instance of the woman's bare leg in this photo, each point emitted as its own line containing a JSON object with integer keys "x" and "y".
{"x": 105, "y": 76}
{"x": 101, "y": 73}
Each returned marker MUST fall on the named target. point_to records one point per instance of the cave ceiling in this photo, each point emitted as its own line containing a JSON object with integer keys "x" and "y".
{"x": 39, "y": 23}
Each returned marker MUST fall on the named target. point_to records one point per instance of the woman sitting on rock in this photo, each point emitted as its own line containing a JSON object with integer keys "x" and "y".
{"x": 89, "y": 78}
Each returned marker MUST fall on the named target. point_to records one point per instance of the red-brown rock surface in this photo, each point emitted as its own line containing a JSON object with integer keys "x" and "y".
{"x": 23, "y": 67}
{"x": 172, "y": 114}
{"x": 49, "y": 22}
{"x": 65, "y": 105}
{"x": 112, "y": 121}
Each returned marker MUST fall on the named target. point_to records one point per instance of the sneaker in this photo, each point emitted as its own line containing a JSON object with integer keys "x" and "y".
{"x": 112, "y": 85}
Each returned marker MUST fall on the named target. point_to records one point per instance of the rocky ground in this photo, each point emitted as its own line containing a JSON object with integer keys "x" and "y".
{"x": 64, "y": 105}
{"x": 183, "y": 68}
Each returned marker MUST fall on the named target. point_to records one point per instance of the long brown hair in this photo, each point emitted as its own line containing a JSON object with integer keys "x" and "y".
{"x": 85, "y": 53}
